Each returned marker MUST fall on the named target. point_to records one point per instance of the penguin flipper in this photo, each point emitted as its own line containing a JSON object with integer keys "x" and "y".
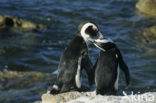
{"x": 124, "y": 67}
{"x": 88, "y": 66}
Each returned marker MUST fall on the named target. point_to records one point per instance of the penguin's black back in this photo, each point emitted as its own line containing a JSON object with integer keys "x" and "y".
{"x": 69, "y": 61}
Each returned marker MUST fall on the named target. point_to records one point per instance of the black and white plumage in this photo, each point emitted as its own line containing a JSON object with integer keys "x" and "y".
{"x": 107, "y": 67}
{"x": 74, "y": 58}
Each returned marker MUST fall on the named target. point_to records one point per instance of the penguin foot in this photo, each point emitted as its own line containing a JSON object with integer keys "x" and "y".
{"x": 53, "y": 89}
{"x": 83, "y": 89}
{"x": 106, "y": 92}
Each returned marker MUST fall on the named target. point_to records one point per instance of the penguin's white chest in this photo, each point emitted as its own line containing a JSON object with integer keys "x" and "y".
{"x": 117, "y": 79}
{"x": 78, "y": 73}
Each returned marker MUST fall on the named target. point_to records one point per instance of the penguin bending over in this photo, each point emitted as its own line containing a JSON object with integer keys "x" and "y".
{"x": 74, "y": 58}
{"x": 107, "y": 67}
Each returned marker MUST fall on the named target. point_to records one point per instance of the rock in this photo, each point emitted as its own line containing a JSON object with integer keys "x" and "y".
{"x": 37, "y": 102}
{"x": 90, "y": 97}
{"x": 147, "y": 7}
{"x": 60, "y": 98}
{"x": 149, "y": 34}
{"x": 47, "y": 98}
{"x": 12, "y": 79}
{"x": 17, "y": 23}
{"x": 24, "y": 87}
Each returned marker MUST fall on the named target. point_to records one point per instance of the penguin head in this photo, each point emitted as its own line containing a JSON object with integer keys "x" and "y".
{"x": 89, "y": 31}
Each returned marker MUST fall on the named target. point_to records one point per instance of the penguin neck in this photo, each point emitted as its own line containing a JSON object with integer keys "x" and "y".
{"x": 85, "y": 40}
{"x": 87, "y": 43}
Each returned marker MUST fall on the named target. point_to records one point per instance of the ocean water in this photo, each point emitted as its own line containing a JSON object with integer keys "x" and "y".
{"x": 41, "y": 51}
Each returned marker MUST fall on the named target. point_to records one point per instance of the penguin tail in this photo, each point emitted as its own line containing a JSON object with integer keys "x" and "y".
{"x": 53, "y": 89}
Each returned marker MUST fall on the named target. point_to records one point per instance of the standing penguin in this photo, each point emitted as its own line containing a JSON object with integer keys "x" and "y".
{"x": 74, "y": 58}
{"x": 107, "y": 67}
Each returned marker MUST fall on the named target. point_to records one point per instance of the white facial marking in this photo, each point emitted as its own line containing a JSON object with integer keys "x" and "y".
{"x": 78, "y": 77}
{"x": 104, "y": 40}
{"x": 117, "y": 79}
{"x": 85, "y": 36}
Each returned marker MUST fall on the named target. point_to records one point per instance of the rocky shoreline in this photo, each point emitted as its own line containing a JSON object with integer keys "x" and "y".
{"x": 21, "y": 85}
{"x": 90, "y": 97}
{"x": 147, "y": 7}
{"x": 149, "y": 34}
{"x": 9, "y": 22}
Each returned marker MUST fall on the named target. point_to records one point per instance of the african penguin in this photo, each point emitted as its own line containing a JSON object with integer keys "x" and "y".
{"x": 107, "y": 67}
{"x": 74, "y": 58}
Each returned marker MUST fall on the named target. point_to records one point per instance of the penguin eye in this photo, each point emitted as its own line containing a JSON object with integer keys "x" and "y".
{"x": 95, "y": 29}
{"x": 92, "y": 31}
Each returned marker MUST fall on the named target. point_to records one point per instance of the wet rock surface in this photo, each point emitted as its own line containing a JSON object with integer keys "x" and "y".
{"x": 147, "y": 7}
{"x": 7, "y": 22}
{"x": 60, "y": 98}
{"x": 21, "y": 85}
{"x": 149, "y": 34}
{"x": 90, "y": 97}
{"x": 12, "y": 79}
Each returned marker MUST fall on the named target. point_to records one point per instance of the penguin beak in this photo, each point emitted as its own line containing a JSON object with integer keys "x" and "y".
{"x": 98, "y": 44}
{"x": 100, "y": 36}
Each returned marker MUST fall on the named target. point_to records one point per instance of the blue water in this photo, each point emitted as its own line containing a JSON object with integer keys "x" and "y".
{"x": 41, "y": 51}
